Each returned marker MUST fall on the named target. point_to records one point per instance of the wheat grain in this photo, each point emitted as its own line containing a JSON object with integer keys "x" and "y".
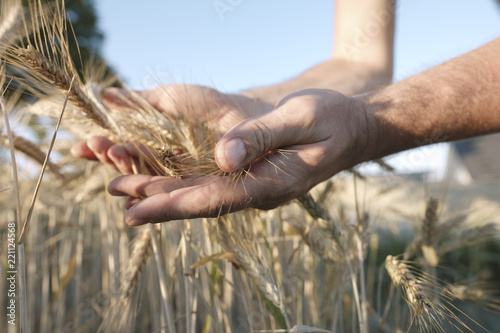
{"x": 486, "y": 294}
{"x": 119, "y": 315}
{"x": 429, "y": 233}
{"x": 250, "y": 261}
{"x": 429, "y": 302}
{"x": 61, "y": 79}
{"x": 139, "y": 254}
{"x": 469, "y": 235}
{"x": 429, "y": 225}
{"x": 417, "y": 298}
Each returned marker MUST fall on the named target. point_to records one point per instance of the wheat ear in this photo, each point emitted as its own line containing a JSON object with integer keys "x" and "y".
{"x": 317, "y": 212}
{"x": 429, "y": 233}
{"x": 247, "y": 258}
{"x": 61, "y": 79}
{"x": 139, "y": 255}
{"x": 401, "y": 276}
{"x": 117, "y": 317}
{"x": 31, "y": 150}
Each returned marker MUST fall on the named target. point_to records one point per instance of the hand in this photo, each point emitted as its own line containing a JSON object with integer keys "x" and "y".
{"x": 309, "y": 137}
{"x": 190, "y": 100}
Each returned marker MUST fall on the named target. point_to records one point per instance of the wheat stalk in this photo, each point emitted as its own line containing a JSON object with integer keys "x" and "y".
{"x": 11, "y": 12}
{"x": 249, "y": 260}
{"x": 26, "y": 225}
{"x": 31, "y": 150}
{"x": 20, "y": 247}
{"x": 118, "y": 314}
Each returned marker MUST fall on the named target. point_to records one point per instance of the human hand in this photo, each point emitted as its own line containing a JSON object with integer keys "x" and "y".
{"x": 195, "y": 103}
{"x": 309, "y": 137}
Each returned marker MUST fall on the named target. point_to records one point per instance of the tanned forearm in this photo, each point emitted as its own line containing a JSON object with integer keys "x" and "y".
{"x": 362, "y": 57}
{"x": 455, "y": 100}
{"x": 364, "y": 32}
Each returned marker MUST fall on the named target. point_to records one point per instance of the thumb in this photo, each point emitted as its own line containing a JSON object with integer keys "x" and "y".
{"x": 257, "y": 136}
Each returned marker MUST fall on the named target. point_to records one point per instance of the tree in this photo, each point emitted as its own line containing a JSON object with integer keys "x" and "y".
{"x": 83, "y": 18}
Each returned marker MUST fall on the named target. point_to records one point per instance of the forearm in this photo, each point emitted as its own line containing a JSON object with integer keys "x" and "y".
{"x": 456, "y": 100}
{"x": 342, "y": 75}
{"x": 362, "y": 56}
{"x": 364, "y": 32}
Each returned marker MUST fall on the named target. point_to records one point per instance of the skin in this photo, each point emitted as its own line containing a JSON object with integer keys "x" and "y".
{"x": 456, "y": 100}
{"x": 309, "y": 163}
{"x": 324, "y": 130}
{"x": 257, "y": 117}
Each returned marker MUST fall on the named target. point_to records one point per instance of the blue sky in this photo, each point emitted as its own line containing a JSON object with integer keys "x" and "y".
{"x": 261, "y": 42}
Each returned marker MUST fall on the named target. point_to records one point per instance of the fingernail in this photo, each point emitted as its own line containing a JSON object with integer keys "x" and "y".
{"x": 135, "y": 222}
{"x": 111, "y": 92}
{"x": 75, "y": 151}
{"x": 91, "y": 143}
{"x": 236, "y": 152}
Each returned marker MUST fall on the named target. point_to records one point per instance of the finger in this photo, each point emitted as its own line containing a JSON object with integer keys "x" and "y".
{"x": 212, "y": 199}
{"x": 170, "y": 99}
{"x": 284, "y": 126}
{"x": 121, "y": 159}
{"x": 100, "y": 146}
{"x": 159, "y": 98}
{"x": 82, "y": 150}
{"x": 140, "y": 186}
{"x": 130, "y": 201}
{"x": 145, "y": 158}
{"x": 120, "y": 99}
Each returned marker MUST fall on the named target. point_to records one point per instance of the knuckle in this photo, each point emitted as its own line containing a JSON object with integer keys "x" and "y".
{"x": 263, "y": 136}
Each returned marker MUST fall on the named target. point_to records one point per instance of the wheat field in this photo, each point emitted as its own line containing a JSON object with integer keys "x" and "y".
{"x": 356, "y": 254}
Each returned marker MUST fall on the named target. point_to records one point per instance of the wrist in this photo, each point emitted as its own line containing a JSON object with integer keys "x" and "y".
{"x": 394, "y": 120}
{"x": 253, "y": 103}
{"x": 269, "y": 95}
{"x": 366, "y": 137}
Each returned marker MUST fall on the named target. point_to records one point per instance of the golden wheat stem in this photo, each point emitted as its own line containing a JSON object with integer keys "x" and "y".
{"x": 22, "y": 290}
{"x": 24, "y": 230}
{"x": 167, "y": 312}
{"x": 31, "y": 150}
{"x": 186, "y": 257}
{"x": 10, "y": 12}
{"x": 252, "y": 266}
{"x": 10, "y": 137}
{"x": 22, "y": 262}
{"x": 317, "y": 212}
{"x": 361, "y": 301}
{"x": 383, "y": 164}
{"x": 363, "y": 305}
